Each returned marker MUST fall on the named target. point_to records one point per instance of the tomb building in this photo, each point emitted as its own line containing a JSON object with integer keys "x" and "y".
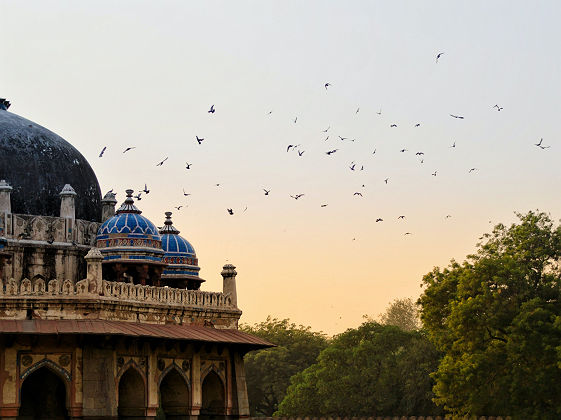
{"x": 102, "y": 315}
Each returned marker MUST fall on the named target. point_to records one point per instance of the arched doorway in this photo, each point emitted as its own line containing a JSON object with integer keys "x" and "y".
{"x": 175, "y": 399}
{"x": 132, "y": 395}
{"x": 43, "y": 396}
{"x": 214, "y": 402}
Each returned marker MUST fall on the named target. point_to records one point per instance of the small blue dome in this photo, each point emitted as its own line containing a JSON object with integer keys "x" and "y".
{"x": 180, "y": 256}
{"x": 128, "y": 236}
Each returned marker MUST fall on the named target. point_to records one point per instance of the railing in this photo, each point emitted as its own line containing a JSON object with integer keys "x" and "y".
{"x": 117, "y": 290}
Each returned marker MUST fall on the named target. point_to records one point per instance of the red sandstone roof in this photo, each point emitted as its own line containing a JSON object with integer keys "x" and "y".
{"x": 102, "y": 327}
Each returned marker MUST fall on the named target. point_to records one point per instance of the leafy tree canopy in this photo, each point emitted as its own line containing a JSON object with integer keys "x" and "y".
{"x": 497, "y": 319}
{"x": 402, "y": 313}
{"x": 268, "y": 371}
{"x": 372, "y": 370}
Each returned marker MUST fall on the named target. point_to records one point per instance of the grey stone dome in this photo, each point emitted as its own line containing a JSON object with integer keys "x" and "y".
{"x": 37, "y": 163}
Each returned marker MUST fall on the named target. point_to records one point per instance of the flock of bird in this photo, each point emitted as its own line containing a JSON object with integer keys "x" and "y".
{"x": 297, "y": 149}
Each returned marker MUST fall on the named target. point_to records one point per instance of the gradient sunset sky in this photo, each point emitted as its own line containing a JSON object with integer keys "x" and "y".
{"x": 144, "y": 74}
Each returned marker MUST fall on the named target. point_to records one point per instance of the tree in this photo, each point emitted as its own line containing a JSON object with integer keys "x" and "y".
{"x": 372, "y": 370}
{"x": 497, "y": 319}
{"x": 402, "y": 313}
{"x": 268, "y": 371}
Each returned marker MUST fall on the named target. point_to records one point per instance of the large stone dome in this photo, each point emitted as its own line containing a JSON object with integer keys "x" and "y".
{"x": 37, "y": 163}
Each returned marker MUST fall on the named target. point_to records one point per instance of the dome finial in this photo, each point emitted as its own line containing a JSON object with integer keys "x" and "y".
{"x": 4, "y": 104}
{"x": 168, "y": 226}
{"x": 128, "y": 206}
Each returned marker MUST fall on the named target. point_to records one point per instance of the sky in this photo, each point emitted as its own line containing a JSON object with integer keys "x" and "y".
{"x": 144, "y": 74}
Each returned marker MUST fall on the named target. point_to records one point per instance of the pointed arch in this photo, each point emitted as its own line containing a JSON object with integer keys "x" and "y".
{"x": 44, "y": 393}
{"x": 213, "y": 392}
{"x": 131, "y": 397}
{"x": 174, "y": 393}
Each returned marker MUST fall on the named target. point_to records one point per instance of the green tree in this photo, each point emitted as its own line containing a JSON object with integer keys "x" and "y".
{"x": 496, "y": 318}
{"x": 402, "y": 313}
{"x": 268, "y": 371}
{"x": 372, "y": 370}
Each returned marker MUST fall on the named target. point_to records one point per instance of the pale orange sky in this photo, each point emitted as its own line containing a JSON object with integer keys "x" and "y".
{"x": 144, "y": 74}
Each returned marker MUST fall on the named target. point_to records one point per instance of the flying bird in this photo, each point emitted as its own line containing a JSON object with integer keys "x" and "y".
{"x": 417, "y": 125}
{"x": 199, "y": 140}
{"x": 102, "y": 151}
{"x": 297, "y": 196}
{"x": 326, "y": 130}
{"x": 178, "y": 208}
{"x": 211, "y": 110}
{"x": 330, "y": 152}
{"x": 352, "y": 167}
{"x": 453, "y": 144}
{"x": 471, "y": 170}
{"x": 266, "y": 191}
{"x": 129, "y": 148}
{"x": 401, "y": 217}
{"x": 499, "y": 108}
{"x": 357, "y": 193}
{"x": 403, "y": 150}
{"x": 419, "y": 153}
{"x": 379, "y": 219}
{"x": 185, "y": 194}
{"x": 188, "y": 165}
{"x": 358, "y": 109}
{"x": 457, "y": 116}
{"x": 407, "y": 233}
{"x": 327, "y": 85}
{"x": 393, "y": 125}
{"x": 162, "y": 162}
{"x": 295, "y": 119}
{"x": 342, "y": 138}
{"x": 379, "y": 112}
{"x": 323, "y": 205}
{"x": 146, "y": 190}
{"x": 325, "y": 139}
{"x": 374, "y": 152}
{"x": 438, "y": 56}
{"x": 448, "y": 216}
{"x": 301, "y": 152}
{"x": 138, "y": 196}
{"x": 386, "y": 180}
{"x": 540, "y": 145}
{"x": 434, "y": 173}
{"x": 230, "y": 212}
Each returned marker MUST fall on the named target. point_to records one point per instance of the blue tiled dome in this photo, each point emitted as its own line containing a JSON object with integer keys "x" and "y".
{"x": 179, "y": 256}
{"x": 128, "y": 236}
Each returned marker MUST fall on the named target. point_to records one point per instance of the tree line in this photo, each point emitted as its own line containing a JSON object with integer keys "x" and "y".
{"x": 484, "y": 338}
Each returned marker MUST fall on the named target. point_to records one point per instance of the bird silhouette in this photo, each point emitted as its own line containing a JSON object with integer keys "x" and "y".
{"x": 401, "y": 217}
{"x": 540, "y": 145}
{"x": 211, "y": 110}
{"x": 448, "y": 216}
{"x": 417, "y": 125}
{"x": 297, "y": 196}
{"x": 185, "y": 194}
{"x": 326, "y": 130}
{"x": 146, "y": 190}
{"x": 434, "y": 173}
{"x": 352, "y": 167}
{"x": 295, "y": 119}
{"x": 129, "y": 148}
{"x": 178, "y": 208}
{"x": 379, "y": 219}
{"x": 323, "y": 205}
{"x": 403, "y": 150}
{"x": 330, "y": 152}
{"x": 453, "y": 145}
{"x": 199, "y": 140}
{"x": 162, "y": 162}
{"x": 386, "y": 180}
{"x": 266, "y": 191}
{"x": 374, "y": 152}
{"x": 393, "y": 125}
{"x": 457, "y": 116}
{"x": 499, "y": 108}
{"x": 342, "y": 138}
{"x": 301, "y": 152}
{"x": 358, "y": 109}
{"x": 325, "y": 139}
{"x": 188, "y": 165}
{"x": 407, "y": 233}
{"x": 379, "y": 112}
{"x": 419, "y": 154}
{"x": 357, "y": 193}
{"x": 230, "y": 212}
{"x": 138, "y": 196}
{"x": 471, "y": 170}
{"x": 327, "y": 85}
{"x": 102, "y": 151}
{"x": 438, "y": 56}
